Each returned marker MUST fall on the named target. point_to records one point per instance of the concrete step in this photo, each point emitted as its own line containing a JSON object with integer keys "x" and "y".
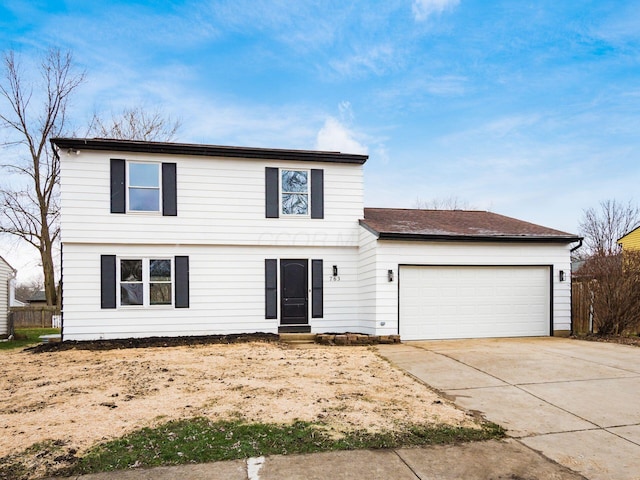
{"x": 297, "y": 337}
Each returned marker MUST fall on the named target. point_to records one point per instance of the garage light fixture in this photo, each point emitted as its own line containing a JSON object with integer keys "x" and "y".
{"x": 562, "y": 276}
{"x": 335, "y": 270}
{"x": 390, "y": 275}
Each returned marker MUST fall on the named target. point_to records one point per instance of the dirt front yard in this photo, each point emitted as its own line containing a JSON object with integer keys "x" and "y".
{"x": 80, "y": 397}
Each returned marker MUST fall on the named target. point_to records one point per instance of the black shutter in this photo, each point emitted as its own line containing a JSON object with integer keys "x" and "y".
{"x": 182, "y": 282}
{"x": 118, "y": 186}
{"x": 271, "y": 193}
{"x": 316, "y": 289}
{"x": 107, "y": 281}
{"x": 271, "y": 288}
{"x": 317, "y": 193}
{"x": 169, "y": 200}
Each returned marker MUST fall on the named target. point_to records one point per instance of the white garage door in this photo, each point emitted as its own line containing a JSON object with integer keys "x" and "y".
{"x": 471, "y": 302}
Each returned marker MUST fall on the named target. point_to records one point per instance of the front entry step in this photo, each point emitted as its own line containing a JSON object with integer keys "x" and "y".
{"x": 298, "y": 337}
{"x": 294, "y": 328}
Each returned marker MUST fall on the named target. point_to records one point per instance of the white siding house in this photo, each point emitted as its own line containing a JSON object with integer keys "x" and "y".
{"x": 7, "y": 289}
{"x": 165, "y": 239}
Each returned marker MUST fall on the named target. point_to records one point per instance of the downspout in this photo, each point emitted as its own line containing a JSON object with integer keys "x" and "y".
{"x": 577, "y": 246}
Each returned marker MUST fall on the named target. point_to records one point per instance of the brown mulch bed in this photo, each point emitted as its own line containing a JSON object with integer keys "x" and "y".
{"x": 150, "y": 342}
{"x": 622, "y": 339}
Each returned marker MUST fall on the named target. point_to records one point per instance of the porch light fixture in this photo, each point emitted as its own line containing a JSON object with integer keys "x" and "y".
{"x": 562, "y": 275}
{"x": 390, "y": 275}
{"x": 335, "y": 270}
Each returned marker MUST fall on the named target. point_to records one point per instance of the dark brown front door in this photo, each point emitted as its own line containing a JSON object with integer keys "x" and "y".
{"x": 294, "y": 292}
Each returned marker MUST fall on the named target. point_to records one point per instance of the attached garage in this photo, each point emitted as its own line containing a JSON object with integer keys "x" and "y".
{"x": 438, "y": 302}
{"x": 440, "y": 274}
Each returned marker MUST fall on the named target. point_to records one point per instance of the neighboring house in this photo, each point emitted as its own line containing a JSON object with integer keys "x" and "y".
{"x": 166, "y": 239}
{"x": 7, "y": 294}
{"x": 38, "y": 298}
{"x": 631, "y": 240}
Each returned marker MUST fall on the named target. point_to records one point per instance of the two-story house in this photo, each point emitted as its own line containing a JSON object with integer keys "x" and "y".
{"x": 168, "y": 239}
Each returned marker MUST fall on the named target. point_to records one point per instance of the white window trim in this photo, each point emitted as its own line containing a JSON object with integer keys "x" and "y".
{"x": 281, "y": 192}
{"x": 146, "y": 282}
{"x": 159, "y": 188}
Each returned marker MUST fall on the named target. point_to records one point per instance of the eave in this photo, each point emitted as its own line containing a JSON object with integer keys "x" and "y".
{"x": 167, "y": 148}
{"x": 426, "y": 237}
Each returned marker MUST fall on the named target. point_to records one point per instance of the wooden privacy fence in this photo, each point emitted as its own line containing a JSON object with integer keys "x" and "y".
{"x": 35, "y": 317}
{"x": 581, "y": 308}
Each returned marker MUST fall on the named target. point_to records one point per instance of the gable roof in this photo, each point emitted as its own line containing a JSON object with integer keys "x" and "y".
{"x": 38, "y": 296}
{"x": 168, "y": 148}
{"x": 8, "y": 264}
{"x": 630, "y": 232}
{"x": 406, "y": 224}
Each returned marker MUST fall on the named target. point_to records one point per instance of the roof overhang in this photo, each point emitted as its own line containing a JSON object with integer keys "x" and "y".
{"x": 167, "y": 148}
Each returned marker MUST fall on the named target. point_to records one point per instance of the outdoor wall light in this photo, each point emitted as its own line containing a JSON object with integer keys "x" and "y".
{"x": 562, "y": 275}
{"x": 390, "y": 275}
{"x": 335, "y": 270}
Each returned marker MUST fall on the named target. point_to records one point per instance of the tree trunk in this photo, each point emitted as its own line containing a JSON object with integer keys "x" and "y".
{"x": 46, "y": 255}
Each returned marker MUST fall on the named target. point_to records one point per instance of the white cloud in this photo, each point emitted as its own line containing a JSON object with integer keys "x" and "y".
{"x": 423, "y": 9}
{"x": 334, "y": 136}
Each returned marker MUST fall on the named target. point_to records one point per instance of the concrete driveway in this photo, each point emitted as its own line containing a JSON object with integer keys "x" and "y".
{"x": 576, "y": 402}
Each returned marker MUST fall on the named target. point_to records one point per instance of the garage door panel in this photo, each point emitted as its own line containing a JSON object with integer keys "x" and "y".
{"x": 473, "y": 301}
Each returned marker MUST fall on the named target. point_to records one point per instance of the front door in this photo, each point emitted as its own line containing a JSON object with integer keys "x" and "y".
{"x": 294, "y": 311}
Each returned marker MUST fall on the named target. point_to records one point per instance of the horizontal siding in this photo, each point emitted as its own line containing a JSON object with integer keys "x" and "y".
{"x": 367, "y": 284}
{"x": 220, "y": 201}
{"x": 226, "y": 292}
{"x": 391, "y": 254}
{"x": 631, "y": 241}
{"x": 6, "y": 273}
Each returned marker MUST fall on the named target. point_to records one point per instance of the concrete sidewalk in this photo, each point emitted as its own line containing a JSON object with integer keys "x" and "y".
{"x": 491, "y": 460}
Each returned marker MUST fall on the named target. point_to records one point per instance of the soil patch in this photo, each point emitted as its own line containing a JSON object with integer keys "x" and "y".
{"x": 75, "y": 398}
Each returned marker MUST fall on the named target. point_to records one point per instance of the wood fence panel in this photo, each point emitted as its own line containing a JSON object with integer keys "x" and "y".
{"x": 33, "y": 317}
{"x": 581, "y": 308}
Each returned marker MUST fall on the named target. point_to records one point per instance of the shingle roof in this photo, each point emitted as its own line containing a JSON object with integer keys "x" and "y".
{"x": 405, "y": 224}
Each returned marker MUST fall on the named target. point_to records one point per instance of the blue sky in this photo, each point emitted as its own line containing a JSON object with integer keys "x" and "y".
{"x": 528, "y": 109}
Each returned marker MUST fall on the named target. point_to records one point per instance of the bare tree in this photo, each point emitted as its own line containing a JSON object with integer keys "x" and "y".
{"x": 135, "y": 124}
{"x": 602, "y": 226}
{"x": 24, "y": 291}
{"x": 32, "y": 112}
{"x": 615, "y": 288}
{"x": 449, "y": 203}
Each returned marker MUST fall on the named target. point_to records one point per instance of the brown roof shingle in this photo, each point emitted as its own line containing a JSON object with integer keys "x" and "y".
{"x": 406, "y": 224}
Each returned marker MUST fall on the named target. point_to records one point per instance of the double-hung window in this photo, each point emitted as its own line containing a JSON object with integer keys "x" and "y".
{"x": 294, "y": 193}
{"x": 146, "y": 282}
{"x": 294, "y": 185}
{"x": 144, "y": 187}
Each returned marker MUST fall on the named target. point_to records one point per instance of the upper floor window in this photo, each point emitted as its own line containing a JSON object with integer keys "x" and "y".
{"x": 291, "y": 193}
{"x": 144, "y": 187}
{"x": 295, "y": 192}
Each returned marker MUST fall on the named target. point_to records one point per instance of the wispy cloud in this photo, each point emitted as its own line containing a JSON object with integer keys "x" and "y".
{"x": 423, "y": 9}
{"x": 372, "y": 59}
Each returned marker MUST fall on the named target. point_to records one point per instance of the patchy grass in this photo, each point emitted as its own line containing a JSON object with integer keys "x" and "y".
{"x": 200, "y": 440}
{"x": 27, "y": 336}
